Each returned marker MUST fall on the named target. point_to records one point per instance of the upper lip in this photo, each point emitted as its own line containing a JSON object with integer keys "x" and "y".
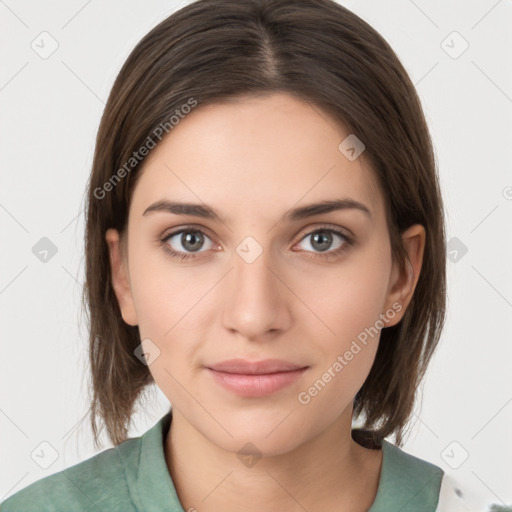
{"x": 262, "y": 367}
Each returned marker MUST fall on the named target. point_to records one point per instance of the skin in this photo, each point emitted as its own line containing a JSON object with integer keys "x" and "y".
{"x": 252, "y": 160}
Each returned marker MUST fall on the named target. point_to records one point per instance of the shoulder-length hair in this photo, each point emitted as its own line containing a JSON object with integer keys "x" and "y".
{"x": 320, "y": 52}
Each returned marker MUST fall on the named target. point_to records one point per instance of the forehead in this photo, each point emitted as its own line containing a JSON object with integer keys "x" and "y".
{"x": 255, "y": 155}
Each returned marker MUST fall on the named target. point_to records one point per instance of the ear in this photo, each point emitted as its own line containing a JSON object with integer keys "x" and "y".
{"x": 120, "y": 277}
{"x": 402, "y": 284}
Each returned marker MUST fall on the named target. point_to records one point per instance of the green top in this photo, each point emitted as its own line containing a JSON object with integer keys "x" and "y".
{"x": 133, "y": 476}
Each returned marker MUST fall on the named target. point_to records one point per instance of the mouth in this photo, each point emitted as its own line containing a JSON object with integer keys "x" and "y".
{"x": 256, "y": 378}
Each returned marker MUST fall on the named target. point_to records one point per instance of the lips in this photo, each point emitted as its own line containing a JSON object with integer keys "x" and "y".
{"x": 255, "y": 378}
{"x": 264, "y": 367}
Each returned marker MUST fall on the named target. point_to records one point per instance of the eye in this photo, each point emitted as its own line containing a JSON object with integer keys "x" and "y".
{"x": 321, "y": 241}
{"x": 186, "y": 242}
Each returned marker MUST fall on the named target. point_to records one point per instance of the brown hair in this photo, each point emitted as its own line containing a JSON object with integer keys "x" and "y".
{"x": 320, "y": 52}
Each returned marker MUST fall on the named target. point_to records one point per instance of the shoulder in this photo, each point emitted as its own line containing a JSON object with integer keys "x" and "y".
{"x": 96, "y": 484}
{"x": 407, "y": 482}
{"x": 406, "y": 467}
{"x": 425, "y": 483}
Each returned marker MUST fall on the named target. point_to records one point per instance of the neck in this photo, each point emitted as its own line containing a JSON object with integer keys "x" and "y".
{"x": 328, "y": 472}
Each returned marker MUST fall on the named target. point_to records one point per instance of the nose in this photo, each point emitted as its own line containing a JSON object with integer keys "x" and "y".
{"x": 257, "y": 304}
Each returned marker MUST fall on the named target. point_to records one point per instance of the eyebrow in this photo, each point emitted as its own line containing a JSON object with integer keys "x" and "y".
{"x": 206, "y": 212}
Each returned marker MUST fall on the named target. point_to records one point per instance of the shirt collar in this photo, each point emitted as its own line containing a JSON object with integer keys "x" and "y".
{"x": 405, "y": 481}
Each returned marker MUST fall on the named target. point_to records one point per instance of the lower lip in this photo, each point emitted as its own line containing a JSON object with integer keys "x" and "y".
{"x": 256, "y": 385}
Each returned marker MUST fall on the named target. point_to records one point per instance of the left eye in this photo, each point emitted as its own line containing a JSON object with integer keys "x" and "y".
{"x": 322, "y": 239}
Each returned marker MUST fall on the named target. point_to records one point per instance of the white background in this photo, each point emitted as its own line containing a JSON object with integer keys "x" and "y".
{"x": 50, "y": 110}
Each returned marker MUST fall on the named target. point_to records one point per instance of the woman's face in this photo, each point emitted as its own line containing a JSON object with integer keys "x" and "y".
{"x": 259, "y": 282}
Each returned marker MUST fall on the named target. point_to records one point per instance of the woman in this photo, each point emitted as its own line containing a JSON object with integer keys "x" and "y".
{"x": 265, "y": 242}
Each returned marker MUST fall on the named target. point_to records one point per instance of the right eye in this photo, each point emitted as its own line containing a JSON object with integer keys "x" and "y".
{"x": 186, "y": 239}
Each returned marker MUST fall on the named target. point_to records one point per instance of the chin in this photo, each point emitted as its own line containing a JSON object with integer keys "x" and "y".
{"x": 260, "y": 445}
{"x": 268, "y": 432}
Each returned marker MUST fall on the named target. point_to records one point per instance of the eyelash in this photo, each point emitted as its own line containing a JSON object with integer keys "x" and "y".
{"x": 325, "y": 255}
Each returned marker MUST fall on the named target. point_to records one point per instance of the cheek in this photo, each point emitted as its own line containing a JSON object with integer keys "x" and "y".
{"x": 349, "y": 298}
{"x": 164, "y": 294}
{"x": 174, "y": 311}
{"x": 348, "y": 301}
{"x": 349, "y": 309}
